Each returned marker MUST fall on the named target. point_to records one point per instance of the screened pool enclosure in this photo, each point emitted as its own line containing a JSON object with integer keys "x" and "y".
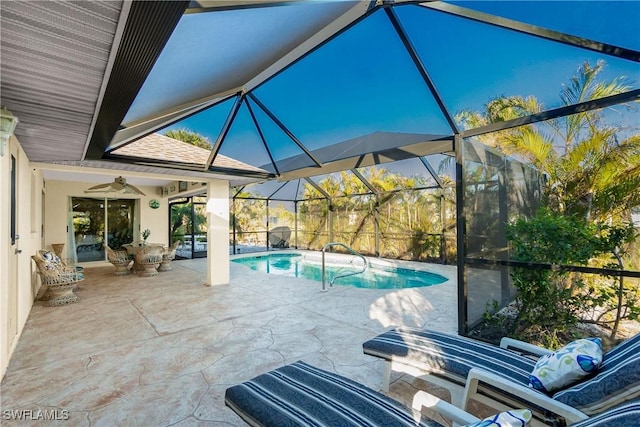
{"x": 400, "y": 210}
{"x": 403, "y": 209}
{"x": 370, "y": 122}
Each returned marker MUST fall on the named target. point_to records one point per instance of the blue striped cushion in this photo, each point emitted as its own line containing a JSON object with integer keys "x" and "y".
{"x": 627, "y": 415}
{"x": 619, "y": 374}
{"x": 302, "y": 395}
{"x": 449, "y": 355}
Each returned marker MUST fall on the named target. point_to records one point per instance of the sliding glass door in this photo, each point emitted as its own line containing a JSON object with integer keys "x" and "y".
{"x": 99, "y": 221}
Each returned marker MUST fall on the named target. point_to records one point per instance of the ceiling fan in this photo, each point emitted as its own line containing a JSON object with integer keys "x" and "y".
{"x": 119, "y": 185}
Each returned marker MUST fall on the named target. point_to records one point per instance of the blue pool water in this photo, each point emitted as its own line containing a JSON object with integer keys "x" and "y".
{"x": 376, "y": 277}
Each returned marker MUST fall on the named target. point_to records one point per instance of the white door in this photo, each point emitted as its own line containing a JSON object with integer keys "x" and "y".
{"x": 14, "y": 251}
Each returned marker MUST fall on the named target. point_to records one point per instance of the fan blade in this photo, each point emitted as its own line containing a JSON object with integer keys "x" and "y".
{"x": 95, "y": 187}
{"x": 134, "y": 189}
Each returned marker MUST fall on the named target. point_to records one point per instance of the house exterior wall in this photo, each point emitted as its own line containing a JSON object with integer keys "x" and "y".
{"x": 42, "y": 209}
{"x": 57, "y": 205}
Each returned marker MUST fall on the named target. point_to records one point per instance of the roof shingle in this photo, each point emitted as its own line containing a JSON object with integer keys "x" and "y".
{"x": 161, "y": 147}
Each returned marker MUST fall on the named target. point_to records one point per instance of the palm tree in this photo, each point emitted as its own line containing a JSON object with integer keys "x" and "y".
{"x": 190, "y": 137}
{"x": 592, "y": 170}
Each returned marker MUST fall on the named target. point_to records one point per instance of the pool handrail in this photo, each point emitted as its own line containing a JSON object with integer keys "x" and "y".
{"x": 364, "y": 268}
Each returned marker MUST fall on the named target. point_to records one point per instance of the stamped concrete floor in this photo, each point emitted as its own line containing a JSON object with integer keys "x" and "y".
{"x": 161, "y": 351}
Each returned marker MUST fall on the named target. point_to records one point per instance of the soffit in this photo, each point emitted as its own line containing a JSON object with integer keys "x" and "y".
{"x": 54, "y": 58}
{"x": 134, "y": 173}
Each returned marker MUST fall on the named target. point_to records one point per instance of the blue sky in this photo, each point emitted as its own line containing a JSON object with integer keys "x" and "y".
{"x": 364, "y": 81}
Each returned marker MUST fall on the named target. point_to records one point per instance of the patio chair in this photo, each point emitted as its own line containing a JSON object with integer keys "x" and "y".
{"x": 499, "y": 377}
{"x": 120, "y": 260}
{"x": 302, "y": 395}
{"x": 168, "y": 255}
{"x": 148, "y": 259}
{"x": 59, "y": 279}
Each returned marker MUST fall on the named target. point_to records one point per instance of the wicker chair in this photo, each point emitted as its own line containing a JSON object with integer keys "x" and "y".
{"x": 60, "y": 279}
{"x": 168, "y": 255}
{"x": 120, "y": 260}
{"x": 148, "y": 259}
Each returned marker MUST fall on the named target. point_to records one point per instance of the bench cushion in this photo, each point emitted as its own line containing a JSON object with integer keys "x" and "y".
{"x": 302, "y": 395}
{"x": 447, "y": 355}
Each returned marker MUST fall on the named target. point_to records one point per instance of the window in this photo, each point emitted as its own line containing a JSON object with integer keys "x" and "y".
{"x": 14, "y": 208}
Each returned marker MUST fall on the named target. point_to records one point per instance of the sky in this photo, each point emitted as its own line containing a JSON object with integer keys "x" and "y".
{"x": 363, "y": 80}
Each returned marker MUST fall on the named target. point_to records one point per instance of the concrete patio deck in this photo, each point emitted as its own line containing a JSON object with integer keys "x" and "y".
{"x": 161, "y": 351}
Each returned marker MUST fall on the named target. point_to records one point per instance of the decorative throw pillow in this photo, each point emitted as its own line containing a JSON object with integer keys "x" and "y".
{"x": 567, "y": 365}
{"x": 514, "y": 418}
{"x": 51, "y": 257}
{"x": 51, "y": 260}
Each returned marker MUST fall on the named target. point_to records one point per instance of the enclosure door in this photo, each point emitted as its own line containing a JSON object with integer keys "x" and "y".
{"x": 188, "y": 224}
{"x": 199, "y": 227}
{"x": 99, "y": 221}
{"x": 180, "y": 227}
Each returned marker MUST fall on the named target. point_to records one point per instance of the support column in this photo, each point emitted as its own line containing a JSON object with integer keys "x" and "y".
{"x": 217, "y": 233}
{"x": 461, "y": 236}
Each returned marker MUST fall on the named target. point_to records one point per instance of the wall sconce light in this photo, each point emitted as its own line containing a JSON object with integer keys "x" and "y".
{"x": 8, "y": 124}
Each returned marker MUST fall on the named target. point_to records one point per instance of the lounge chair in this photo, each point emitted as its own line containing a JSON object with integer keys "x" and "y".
{"x": 302, "y": 395}
{"x": 465, "y": 366}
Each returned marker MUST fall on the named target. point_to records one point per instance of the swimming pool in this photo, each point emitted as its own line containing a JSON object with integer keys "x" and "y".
{"x": 375, "y": 277}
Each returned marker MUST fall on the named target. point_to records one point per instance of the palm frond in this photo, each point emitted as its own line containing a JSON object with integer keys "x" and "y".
{"x": 535, "y": 147}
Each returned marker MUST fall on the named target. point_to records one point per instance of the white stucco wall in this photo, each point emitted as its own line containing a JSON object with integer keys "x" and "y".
{"x": 4, "y": 261}
{"x": 57, "y": 206}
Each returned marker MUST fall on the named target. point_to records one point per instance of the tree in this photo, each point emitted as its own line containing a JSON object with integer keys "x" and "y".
{"x": 593, "y": 176}
{"x": 190, "y": 137}
{"x": 408, "y": 218}
{"x": 182, "y": 220}
{"x": 249, "y": 215}
{"x": 592, "y": 169}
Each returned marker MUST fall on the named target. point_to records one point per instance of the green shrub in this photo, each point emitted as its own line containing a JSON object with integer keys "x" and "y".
{"x": 550, "y": 301}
